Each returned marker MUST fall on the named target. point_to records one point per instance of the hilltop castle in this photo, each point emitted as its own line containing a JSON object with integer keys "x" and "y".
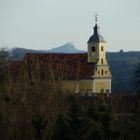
{"x": 83, "y": 73}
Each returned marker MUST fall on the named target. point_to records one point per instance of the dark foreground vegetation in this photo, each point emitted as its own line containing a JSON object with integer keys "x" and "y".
{"x": 32, "y": 109}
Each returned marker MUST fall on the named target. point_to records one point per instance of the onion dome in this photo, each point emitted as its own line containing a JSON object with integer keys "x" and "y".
{"x": 96, "y": 37}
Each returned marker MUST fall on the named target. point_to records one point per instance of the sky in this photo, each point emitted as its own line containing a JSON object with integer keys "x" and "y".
{"x": 45, "y": 24}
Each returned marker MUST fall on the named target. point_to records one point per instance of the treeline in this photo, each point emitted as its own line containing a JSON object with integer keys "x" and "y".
{"x": 32, "y": 109}
{"x": 123, "y": 65}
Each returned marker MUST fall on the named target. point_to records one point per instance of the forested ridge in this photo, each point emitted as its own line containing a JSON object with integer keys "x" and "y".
{"x": 123, "y": 65}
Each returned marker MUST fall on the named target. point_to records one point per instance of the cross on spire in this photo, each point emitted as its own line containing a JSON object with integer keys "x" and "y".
{"x": 96, "y": 18}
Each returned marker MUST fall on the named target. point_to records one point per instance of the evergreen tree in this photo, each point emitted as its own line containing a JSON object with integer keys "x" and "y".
{"x": 137, "y": 78}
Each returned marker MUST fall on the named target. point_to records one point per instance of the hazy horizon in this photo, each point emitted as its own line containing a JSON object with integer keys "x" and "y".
{"x": 47, "y": 24}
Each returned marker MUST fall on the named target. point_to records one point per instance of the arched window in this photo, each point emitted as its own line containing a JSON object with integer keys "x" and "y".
{"x": 93, "y": 48}
{"x": 102, "y": 61}
{"x": 106, "y": 72}
{"x": 98, "y": 72}
{"x": 102, "y": 48}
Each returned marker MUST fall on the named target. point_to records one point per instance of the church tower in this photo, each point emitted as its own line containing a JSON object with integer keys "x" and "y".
{"x": 97, "y": 54}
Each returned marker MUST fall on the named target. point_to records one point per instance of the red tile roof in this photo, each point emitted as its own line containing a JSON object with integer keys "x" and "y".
{"x": 65, "y": 66}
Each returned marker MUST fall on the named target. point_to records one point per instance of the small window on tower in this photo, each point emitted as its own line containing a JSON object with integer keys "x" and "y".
{"x": 102, "y": 72}
{"x": 102, "y": 90}
{"x": 102, "y": 61}
{"x": 107, "y": 90}
{"x": 102, "y": 48}
{"x": 93, "y": 48}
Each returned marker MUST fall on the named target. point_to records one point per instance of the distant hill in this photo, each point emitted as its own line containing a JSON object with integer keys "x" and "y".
{"x": 66, "y": 48}
{"x": 18, "y": 53}
{"x": 122, "y": 64}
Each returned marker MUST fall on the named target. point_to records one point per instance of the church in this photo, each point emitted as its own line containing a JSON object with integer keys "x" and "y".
{"x": 87, "y": 74}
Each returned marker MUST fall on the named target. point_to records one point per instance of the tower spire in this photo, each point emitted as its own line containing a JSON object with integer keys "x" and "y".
{"x": 96, "y": 37}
